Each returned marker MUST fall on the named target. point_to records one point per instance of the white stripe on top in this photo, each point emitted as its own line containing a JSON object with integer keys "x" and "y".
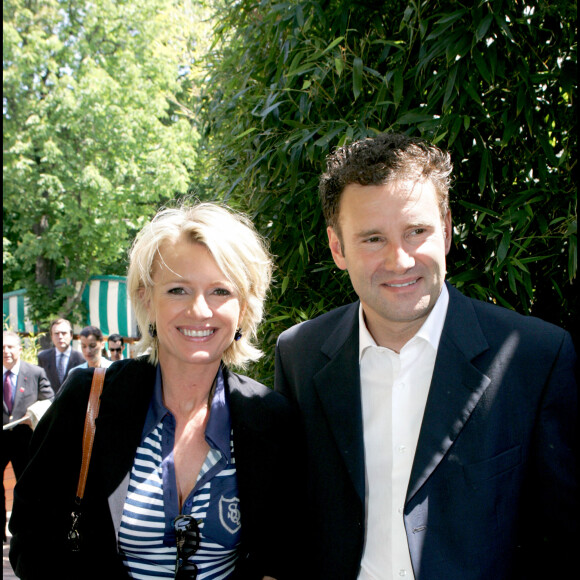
{"x": 141, "y": 536}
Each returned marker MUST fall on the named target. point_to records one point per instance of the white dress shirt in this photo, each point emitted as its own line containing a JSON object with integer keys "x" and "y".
{"x": 394, "y": 390}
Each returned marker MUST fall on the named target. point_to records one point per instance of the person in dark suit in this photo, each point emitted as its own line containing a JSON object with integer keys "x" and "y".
{"x": 181, "y": 439}
{"x": 440, "y": 429}
{"x": 24, "y": 384}
{"x": 59, "y": 360}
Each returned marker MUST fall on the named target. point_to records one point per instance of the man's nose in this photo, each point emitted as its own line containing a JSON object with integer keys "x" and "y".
{"x": 398, "y": 258}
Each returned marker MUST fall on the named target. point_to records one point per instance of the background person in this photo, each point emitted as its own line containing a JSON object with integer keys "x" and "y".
{"x": 115, "y": 345}
{"x": 178, "y": 433}
{"x": 92, "y": 345}
{"x": 24, "y": 384}
{"x": 440, "y": 429}
{"x": 59, "y": 360}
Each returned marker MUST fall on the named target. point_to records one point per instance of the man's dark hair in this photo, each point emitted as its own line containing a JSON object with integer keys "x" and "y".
{"x": 380, "y": 160}
{"x": 116, "y": 338}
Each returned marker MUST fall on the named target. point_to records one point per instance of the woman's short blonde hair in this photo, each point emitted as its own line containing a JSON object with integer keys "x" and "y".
{"x": 239, "y": 251}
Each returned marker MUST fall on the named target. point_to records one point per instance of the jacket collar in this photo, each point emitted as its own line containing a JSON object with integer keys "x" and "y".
{"x": 338, "y": 386}
{"x": 456, "y": 387}
{"x": 455, "y": 390}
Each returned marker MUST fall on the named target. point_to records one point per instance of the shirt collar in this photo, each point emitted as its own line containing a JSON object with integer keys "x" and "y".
{"x": 218, "y": 429}
{"x": 66, "y": 353}
{"x": 14, "y": 370}
{"x": 157, "y": 409}
{"x": 430, "y": 330}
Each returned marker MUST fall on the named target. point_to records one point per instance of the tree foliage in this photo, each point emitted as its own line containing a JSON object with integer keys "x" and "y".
{"x": 92, "y": 137}
{"x": 492, "y": 81}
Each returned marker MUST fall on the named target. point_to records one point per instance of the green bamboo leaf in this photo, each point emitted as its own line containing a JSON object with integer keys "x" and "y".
{"x": 500, "y": 20}
{"x": 520, "y": 265}
{"x": 332, "y": 45}
{"x": 449, "y": 89}
{"x": 412, "y": 117}
{"x": 483, "y": 27}
{"x": 398, "y": 86}
{"x": 572, "y": 257}
{"x": 472, "y": 93}
{"x": 277, "y": 318}
{"x": 483, "y": 170}
{"x": 246, "y": 132}
{"x": 326, "y": 139}
{"x": 271, "y": 108}
{"x": 503, "y": 248}
{"x": 481, "y": 65}
{"x": 455, "y": 128}
{"x": 479, "y": 208}
{"x": 521, "y": 98}
{"x": 357, "y": 68}
{"x": 513, "y": 277}
{"x": 508, "y": 132}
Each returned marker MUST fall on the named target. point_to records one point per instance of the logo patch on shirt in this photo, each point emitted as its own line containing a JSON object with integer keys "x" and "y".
{"x": 229, "y": 512}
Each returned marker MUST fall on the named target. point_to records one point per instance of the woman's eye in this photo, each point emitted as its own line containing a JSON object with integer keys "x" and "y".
{"x": 222, "y": 292}
{"x": 177, "y": 291}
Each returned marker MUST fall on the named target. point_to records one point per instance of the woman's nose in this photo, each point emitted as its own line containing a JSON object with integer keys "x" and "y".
{"x": 200, "y": 307}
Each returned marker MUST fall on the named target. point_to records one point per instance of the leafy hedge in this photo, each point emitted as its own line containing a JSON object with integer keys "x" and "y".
{"x": 494, "y": 82}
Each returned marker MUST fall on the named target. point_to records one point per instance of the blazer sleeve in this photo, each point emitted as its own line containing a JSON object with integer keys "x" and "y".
{"x": 45, "y": 390}
{"x": 44, "y": 494}
{"x": 551, "y": 509}
{"x": 269, "y": 456}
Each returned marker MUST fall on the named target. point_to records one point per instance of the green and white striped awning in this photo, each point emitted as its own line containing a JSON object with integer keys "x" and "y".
{"x": 15, "y": 307}
{"x": 106, "y": 301}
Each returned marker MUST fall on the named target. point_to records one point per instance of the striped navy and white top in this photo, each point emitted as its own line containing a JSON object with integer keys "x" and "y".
{"x": 146, "y": 536}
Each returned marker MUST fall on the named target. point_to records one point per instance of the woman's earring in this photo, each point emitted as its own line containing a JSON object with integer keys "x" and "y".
{"x": 238, "y": 334}
{"x": 152, "y": 330}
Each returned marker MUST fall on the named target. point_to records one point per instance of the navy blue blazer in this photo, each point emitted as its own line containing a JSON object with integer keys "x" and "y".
{"x": 266, "y": 464}
{"x": 493, "y": 488}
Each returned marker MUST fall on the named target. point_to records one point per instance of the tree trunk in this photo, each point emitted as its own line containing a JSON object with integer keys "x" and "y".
{"x": 45, "y": 268}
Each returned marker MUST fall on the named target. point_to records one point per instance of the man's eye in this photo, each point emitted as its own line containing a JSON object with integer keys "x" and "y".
{"x": 373, "y": 240}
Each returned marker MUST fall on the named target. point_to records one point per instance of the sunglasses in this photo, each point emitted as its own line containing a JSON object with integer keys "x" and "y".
{"x": 116, "y": 349}
{"x": 187, "y": 540}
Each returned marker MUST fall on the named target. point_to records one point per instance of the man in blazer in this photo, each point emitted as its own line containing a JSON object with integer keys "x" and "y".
{"x": 50, "y": 359}
{"x": 440, "y": 429}
{"x": 24, "y": 384}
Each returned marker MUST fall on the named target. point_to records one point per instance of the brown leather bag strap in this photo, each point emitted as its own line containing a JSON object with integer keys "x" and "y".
{"x": 89, "y": 431}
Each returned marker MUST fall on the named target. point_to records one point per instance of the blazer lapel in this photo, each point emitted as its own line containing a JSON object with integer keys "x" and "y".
{"x": 51, "y": 361}
{"x": 456, "y": 388}
{"x": 338, "y": 386}
{"x": 120, "y": 422}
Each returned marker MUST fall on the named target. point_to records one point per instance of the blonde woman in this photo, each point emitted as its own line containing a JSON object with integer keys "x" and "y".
{"x": 193, "y": 474}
